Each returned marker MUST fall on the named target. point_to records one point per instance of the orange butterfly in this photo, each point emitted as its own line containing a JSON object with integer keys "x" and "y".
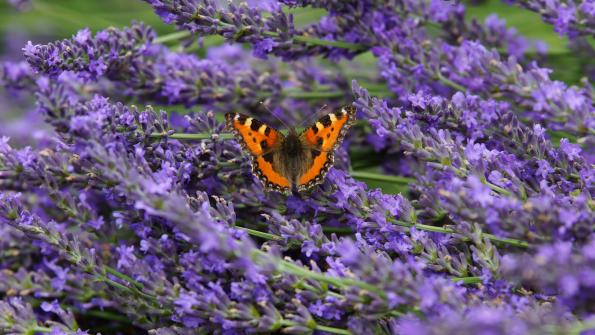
{"x": 284, "y": 163}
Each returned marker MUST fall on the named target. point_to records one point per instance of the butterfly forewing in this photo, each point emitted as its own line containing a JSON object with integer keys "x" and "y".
{"x": 263, "y": 143}
{"x": 322, "y": 138}
{"x": 328, "y": 132}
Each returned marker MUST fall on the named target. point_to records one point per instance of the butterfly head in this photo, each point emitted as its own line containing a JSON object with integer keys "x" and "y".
{"x": 292, "y": 145}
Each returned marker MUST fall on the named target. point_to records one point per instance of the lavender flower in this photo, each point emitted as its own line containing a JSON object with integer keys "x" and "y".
{"x": 18, "y": 317}
{"x": 569, "y": 18}
{"x": 105, "y": 53}
{"x": 557, "y": 270}
{"x": 16, "y": 76}
{"x": 274, "y": 34}
{"x": 149, "y": 219}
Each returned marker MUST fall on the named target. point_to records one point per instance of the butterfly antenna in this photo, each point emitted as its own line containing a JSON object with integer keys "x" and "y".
{"x": 273, "y": 114}
{"x": 311, "y": 116}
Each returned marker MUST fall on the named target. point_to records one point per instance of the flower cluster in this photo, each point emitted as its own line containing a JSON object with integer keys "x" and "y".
{"x": 149, "y": 219}
{"x": 572, "y": 18}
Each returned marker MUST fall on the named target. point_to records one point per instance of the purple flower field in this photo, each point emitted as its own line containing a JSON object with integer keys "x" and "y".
{"x": 460, "y": 202}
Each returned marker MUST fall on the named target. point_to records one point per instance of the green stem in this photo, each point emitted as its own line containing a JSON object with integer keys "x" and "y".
{"x": 313, "y": 95}
{"x": 38, "y": 329}
{"x": 186, "y": 136}
{"x": 118, "y": 274}
{"x": 496, "y": 188}
{"x": 321, "y": 42}
{"x": 449, "y": 82}
{"x": 434, "y": 229}
{"x": 336, "y": 44}
{"x": 381, "y": 177}
{"x": 467, "y": 280}
{"x": 261, "y": 234}
{"x": 301, "y": 39}
{"x": 333, "y": 330}
{"x": 288, "y": 267}
{"x": 172, "y": 37}
{"x": 122, "y": 287}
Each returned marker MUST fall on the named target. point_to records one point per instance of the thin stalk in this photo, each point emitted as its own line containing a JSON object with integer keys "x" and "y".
{"x": 449, "y": 82}
{"x": 133, "y": 290}
{"x": 434, "y": 229}
{"x": 468, "y": 280}
{"x": 336, "y": 44}
{"x": 261, "y": 234}
{"x": 381, "y": 177}
{"x": 288, "y": 267}
{"x": 496, "y": 188}
{"x": 301, "y": 39}
{"x": 321, "y": 42}
{"x": 187, "y": 136}
{"x": 313, "y": 95}
{"x": 118, "y": 274}
{"x": 172, "y": 37}
{"x": 333, "y": 330}
{"x": 38, "y": 329}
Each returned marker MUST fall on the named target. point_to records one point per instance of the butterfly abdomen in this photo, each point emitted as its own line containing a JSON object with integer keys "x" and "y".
{"x": 295, "y": 157}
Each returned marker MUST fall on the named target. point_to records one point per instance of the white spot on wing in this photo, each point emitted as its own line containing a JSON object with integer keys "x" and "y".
{"x": 262, "y": 129}
{"x": 248, "y": 122}
{"x": 333, "y": 117}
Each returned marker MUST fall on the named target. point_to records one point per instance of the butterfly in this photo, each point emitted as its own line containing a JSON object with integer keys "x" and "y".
{"x": 294, "y": 161}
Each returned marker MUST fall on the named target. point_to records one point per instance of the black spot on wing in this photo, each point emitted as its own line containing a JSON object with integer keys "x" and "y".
{"x": 263, "y": 144}
{"x": 339, "y": 115}
{"x": 255, "y": 125}
{"x": 315, "y": 129}
{"x": 328, "y": 135}
{"x": 325, "y": 120}
{"x": 315, "y": 153}
{"x": 268, "y": 157}
{"x": 319, "y": 141}
{"x": 242, "y": 119}
{"x": 267, "y": 131}
{"x": 254, "y": 139}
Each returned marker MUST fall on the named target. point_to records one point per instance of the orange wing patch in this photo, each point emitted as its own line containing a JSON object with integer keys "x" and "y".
{"x": 271, "y": 179}
{"x": 261, "y": 141}
{"x": 328, "y": 131}
{"x": 254, "y": 135}
{"x": 320, "y": 165}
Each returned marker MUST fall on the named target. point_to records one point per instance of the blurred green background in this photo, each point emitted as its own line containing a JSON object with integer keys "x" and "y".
{"x": 48, "y": 20}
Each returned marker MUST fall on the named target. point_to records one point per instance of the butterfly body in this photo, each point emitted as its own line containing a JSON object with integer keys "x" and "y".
{"x": 294, "y": 161}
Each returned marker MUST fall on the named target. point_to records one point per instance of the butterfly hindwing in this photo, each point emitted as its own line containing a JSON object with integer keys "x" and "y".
{"x": 322, "y": 138}
{"x": 263, "y": 143}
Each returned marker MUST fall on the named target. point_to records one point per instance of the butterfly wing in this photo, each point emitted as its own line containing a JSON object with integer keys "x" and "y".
{"x": 322, "y": 138}
{"x": 262, "y": 142}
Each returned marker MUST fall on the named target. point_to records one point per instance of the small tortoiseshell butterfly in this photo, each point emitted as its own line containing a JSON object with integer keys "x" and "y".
{"x": 293, "y": 162}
